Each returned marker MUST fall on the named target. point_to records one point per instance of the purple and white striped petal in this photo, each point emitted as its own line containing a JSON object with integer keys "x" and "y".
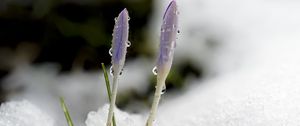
{"x": 120, "y": 41}
{"x": 169, "y": 30}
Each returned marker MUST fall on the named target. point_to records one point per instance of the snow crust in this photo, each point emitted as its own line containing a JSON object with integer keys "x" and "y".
{"x": 256, "y": 97}
{"x": 83, "y": 91}
{"x": 23, "y": 113}
{"x": 122, "y": 118}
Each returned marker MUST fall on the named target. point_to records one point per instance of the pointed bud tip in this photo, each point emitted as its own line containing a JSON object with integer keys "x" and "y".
{"x": 171, "y": 7}
{"x": 124, "y": 14}
{"x": 173, "y": 1}
{"x": 124, "y": 11}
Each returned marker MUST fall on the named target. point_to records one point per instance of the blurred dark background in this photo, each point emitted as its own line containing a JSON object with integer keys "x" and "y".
{"x": 76, "y": 34}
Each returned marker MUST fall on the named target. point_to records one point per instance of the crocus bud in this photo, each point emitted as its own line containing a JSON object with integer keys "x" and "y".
{"x": 118, "y": 51}
{"x": 166, "y": 51}
{"x": 120, "y": 42}
{"x": 169, "y": 30}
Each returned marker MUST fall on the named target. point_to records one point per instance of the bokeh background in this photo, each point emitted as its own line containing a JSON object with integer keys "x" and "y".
{"x": 52, "y": 48}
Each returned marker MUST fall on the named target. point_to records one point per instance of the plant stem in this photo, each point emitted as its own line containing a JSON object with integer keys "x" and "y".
{"x": 66, "y": 112}
{"x": 113, "y": 100}
{"x": 108, "y": 89}
{"x": 157, "y": 95}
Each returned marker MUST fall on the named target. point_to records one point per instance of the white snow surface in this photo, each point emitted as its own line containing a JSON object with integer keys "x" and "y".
{"x": 23, "y": 113}
{"x": 256, "y": 97}
{"x": 83, "y": 91}
{"x": 122, "y": 118}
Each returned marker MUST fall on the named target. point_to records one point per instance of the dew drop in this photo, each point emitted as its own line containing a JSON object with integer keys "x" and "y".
{"x": 110, "y": 52}
{"x": 154, "y": 70}
{"x": 163, "y": 89}
{"x": 128, "y": 18}
{"x": 116, "y": 19}
{"x": 111, "y": 71}
{"x": 128, "y": 43}
{"x": 178, "y": 31}
{"x": 121, "y": 72}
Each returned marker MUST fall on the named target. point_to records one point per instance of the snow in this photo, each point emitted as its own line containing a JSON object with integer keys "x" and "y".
{"x": 43, "y": 85}
{"x": 256, "y": 97}
{"x": 23, "y": 113}
{"x": 122, "y": 118}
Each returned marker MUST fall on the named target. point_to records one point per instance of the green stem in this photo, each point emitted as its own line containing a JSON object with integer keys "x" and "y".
{"x": 67, "y": 115}
{"x": 113, "y": 100}
{"x": 108, "y": 90}
{"x": 157, "y": 95}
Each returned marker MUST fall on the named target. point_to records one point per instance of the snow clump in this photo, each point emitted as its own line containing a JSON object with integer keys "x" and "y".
{"x": 23, "y": 113}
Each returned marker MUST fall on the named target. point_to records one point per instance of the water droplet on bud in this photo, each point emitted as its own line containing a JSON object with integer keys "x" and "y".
{"x": 163, "y": 89}
{"x": 128, "y": 43}
{"x": 121, "y": 72}
{"x": 110, "y": 52}
{"x": 111, "y": 71}
{"x": 154, "y": 70}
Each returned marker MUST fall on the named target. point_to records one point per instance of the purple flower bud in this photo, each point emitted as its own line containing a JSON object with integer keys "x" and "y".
{"x": 118, "y": 51}
{"x": 120, "y": 41}
{"x": 167, "y": 39}
{"x": 166, "y": 51}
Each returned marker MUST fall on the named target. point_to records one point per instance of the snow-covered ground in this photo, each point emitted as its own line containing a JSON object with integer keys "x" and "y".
{"x": 23, "y": 113}
{"x": 83, "y": 92}
{"x": 250, "y": 52}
